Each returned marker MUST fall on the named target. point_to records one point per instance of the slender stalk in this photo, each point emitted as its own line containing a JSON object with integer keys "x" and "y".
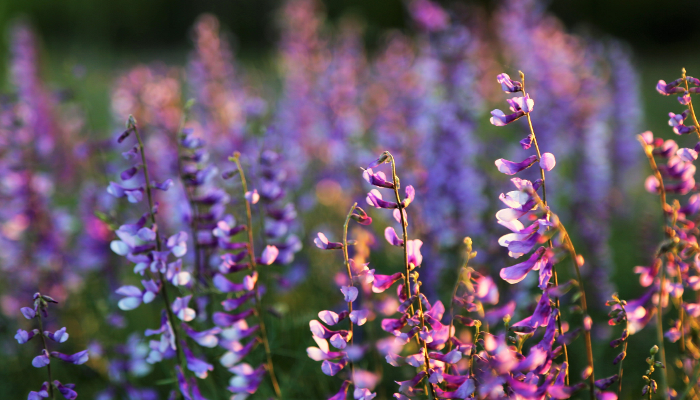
{"x": 164, "y": 290}
{"x": 690, "y": 105}
{"x": 660, "y": 330}
{"x": 681, "y": 311}
{"x": 407, "y": 283}
{"x": 624, "y": 350}
{"x": 544, "y": 199}
{"x": 347, "y": 265}
{"x": 253, "y": 266}
{"x": 46, "y": 348}
{"x": 659, "y": 321}
{"x": 584, "y": 305}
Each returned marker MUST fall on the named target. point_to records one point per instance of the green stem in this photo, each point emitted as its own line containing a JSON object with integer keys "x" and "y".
{"x": 660, "y": 330}
{"x": 164, "y": 290}
{"x": 407, "y": 283}
{"x": 46, "y": 348}
{"x": 624, "y": 350}
{"x": 347, "y": 265}
{"x": 584, "y": 305}
{"x": 253, "y": 265}
{"x": 544, "y": 199}
{"x": 690, "y": 106}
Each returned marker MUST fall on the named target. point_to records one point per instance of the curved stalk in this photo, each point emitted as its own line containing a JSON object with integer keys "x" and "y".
{"x": 690, "y": 105}
{"x": 544, "y": 199}
{"x": 659, "y": 321}
{"x": 346, "y": 258}
{"x": 584, "y": 305}
{"x": 164, "y": 290}
{"x": 46, "y": 348}
{"x": 407, "y": 283}
{"x": 253, "y": 266}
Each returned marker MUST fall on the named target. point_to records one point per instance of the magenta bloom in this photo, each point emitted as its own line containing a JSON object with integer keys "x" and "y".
{"x": 508, "y": 85}
{"x": 322, "y": 243}
{"x": 511, "y": 168}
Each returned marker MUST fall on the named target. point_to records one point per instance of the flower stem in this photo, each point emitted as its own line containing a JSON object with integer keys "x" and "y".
{"x": 430, "y": 390}
{"x": 253, "y": 265}
{"x": 164, "y": 290}
{"x": 544, "y": 199}
{"x": 584, "y": 306}
{"x": 624, "y": 350}
{"x": 346, "y": 258}
{"x": 659, "y": 321}
{"x": 690, "y": 105}
{"x": 46, "y": 348}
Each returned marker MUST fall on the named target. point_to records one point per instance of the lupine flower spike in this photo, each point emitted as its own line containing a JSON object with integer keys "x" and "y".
{"x": 335, "y": 361}
{"x": 235, "y": 327}
{"x": 50, "y": 387}
{"x": 424, "y": 320}
{"x": 526, "y": 201}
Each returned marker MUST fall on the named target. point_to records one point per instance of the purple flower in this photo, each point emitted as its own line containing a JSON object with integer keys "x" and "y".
{"x": 547, "y": 162}
{"x": 66, "y": 390}
{"x": 226, "y": 320}
{"x": 59, "y": 336}
{"x": 508, "y": 85}
{"x": 23, "y": 336}
{"x": 517, "y": 272}
{"x": 671, "y": 88}
{"x": 374, "y": 198}
{"x": 28, "y": 312}
{"x": 391, "y": 237}
{"x": 511, "y": 168}
{"x": 499, "y": 118}
{"x": 384, "y": 282}
{"x": 269, "y": 255}
{"x": 199, "y": 367}
{"x": 349, "y": 293}
{"x": 342, "y": 392}
{"x": 41, "y": 360}
{"x": 181, "y": 309}
{"x": 206, "y": 338}
{"x": 252, "y": 197}
{"x": 322, "y": 243}
{"x": 178, "y": 244}
{"x": 415, "y": 258}
{"x": 688, "y": 155}
{"x": 378, "y": 179}
{"x": 77, "y": 358}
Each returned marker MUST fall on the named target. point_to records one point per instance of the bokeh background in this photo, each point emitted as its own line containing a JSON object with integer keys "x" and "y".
{"x": 85, "y": 47}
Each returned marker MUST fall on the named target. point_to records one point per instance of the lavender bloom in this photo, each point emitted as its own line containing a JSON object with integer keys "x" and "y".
{"x": 41, "y": 303}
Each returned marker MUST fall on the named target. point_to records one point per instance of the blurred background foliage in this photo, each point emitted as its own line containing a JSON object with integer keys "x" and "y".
{"x": 85, "y": 43}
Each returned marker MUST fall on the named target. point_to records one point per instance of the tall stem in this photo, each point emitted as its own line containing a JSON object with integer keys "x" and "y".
{"x": 584, "y": 305}
{"x": 660, "y": 329}
{"x": 659, "y": 321}
{"x": 624, "y": 350}
{"x": 253, "y": 266}
{"x": 46, "y": 348}
{"x": 544, "y": 199}
{"x": 690, "y": 106}
{"x": 407, "y": 283}
{"x": 164, "y": 290}
{"x": 346, "y": 258}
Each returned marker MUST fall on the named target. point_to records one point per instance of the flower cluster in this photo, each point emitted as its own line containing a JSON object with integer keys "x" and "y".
{"x": 545, "y": 228}
{"x": 335, "y": 361}
{"x": 40, "y": 309}
{"x": 141, "y": 244}
{"x": 234, "y": 326}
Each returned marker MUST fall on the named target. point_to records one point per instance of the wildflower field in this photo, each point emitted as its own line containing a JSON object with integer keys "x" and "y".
{"x": 483, "y": 205}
